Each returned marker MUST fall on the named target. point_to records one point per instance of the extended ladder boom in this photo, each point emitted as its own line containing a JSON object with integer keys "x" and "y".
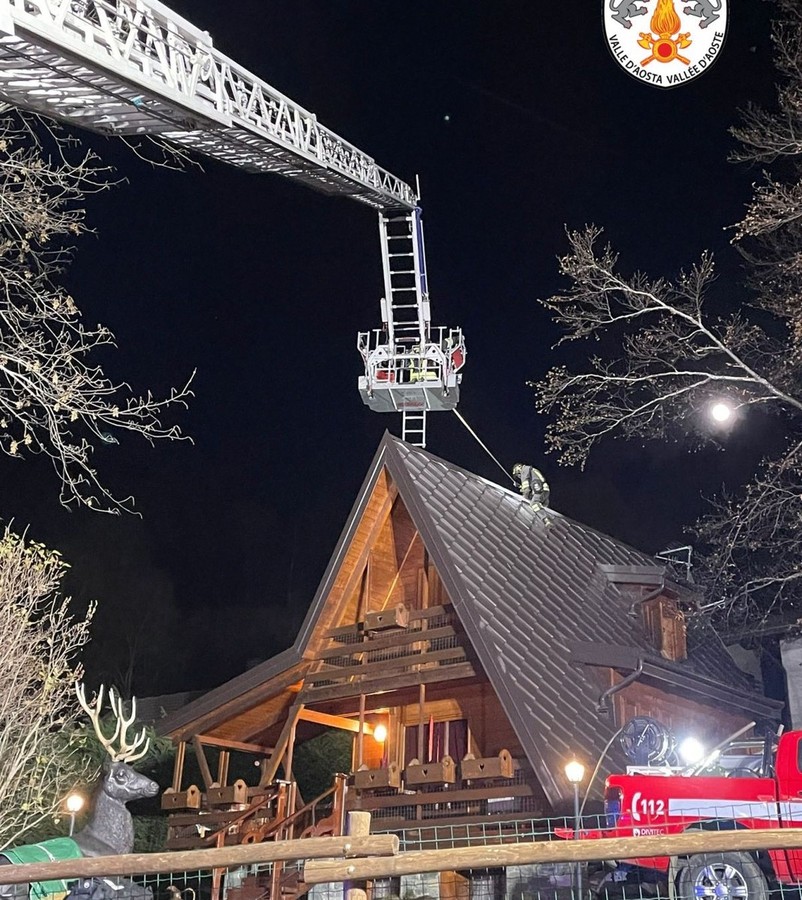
{"x": 135, "y": 68}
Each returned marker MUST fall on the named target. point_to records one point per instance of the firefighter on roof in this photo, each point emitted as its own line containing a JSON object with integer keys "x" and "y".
{"x": 532, "y": 485}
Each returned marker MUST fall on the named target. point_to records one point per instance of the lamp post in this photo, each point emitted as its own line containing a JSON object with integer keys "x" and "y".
{"x": 575, "y": 773}
{"x": 74, "y": 803}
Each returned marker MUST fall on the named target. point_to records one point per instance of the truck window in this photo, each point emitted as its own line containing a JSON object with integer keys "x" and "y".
{"x": 799, "y": 756}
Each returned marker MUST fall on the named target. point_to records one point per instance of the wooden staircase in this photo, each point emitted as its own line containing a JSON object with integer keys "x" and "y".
{"x": 267, "y": 816}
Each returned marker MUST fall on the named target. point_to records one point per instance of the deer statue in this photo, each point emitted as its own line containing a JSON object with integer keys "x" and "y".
{"x": 110, "y": 830}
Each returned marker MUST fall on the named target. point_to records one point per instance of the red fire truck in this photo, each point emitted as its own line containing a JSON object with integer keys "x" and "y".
{"x": 748, "y": 784}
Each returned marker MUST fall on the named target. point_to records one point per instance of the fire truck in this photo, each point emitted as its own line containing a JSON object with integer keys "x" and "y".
{"x": 741, "y": 784}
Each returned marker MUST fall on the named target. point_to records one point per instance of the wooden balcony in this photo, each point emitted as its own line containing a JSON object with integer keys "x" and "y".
{"x": 431, "y": 647}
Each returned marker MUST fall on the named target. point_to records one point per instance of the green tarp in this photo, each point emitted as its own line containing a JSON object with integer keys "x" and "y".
{"x": 47, "y": 851}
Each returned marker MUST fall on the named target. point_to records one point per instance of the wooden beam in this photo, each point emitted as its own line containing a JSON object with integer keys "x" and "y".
{"x": 288, "y": 760}
{"x": 358, "y": 568}
{"x": 330, "y": 721}
{"x": 271, "y": 766}
{"x": 415, "y": 615}
{"x": 539, "y": 852}
{"x": 206, "y": 772}
{"x": 209, "y": 741}
{"x": 465, "y": 795}
{"x": 193, "y": 860}
{"x": 388, "y": 665}
{"x": 397, "y": 639}
{"x": 397, "y": 682}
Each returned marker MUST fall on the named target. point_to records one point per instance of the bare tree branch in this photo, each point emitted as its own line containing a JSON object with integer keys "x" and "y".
{"x": 673, "y": 358}
{"x": 53, "y": 398}
{"x": 664, "y": 357}
{"x": 41, "y": 752}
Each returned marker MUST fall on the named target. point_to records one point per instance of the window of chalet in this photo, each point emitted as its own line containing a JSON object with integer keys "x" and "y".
{"x": 439, "y": 739}
{"x": 664, "y": 622}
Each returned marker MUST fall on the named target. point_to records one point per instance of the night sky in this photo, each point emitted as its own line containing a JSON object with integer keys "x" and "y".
{"x": 518, "y": 122}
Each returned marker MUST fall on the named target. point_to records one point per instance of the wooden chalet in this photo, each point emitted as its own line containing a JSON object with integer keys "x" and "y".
{"x": 472, "y": 645}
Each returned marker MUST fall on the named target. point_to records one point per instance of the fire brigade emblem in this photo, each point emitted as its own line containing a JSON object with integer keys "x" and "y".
{"x": 662, "y": 42}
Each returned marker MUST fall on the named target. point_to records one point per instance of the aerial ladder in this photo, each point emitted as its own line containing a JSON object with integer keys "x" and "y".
{"x": 135, "y": 68}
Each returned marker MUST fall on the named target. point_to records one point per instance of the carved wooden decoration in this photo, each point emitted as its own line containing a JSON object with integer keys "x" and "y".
{"x": 443, "y": 772}
{"x": 223, "y": 796}
{"x": 394, "y": 617}
{"x": 188, "y": 799}
{"x": 387, "y": 777}
{"x": 501, "y": 766}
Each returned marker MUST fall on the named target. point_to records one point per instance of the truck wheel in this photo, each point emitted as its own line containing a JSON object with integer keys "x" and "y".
{"x": 720, "y": 876}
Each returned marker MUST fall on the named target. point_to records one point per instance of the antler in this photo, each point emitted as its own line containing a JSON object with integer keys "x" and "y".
{"x": 127, "y": 752}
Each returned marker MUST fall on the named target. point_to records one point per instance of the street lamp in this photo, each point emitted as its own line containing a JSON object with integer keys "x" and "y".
{"x": 721, "y": 412}
{"x": 74, "y": 803}
{"x": 575, "y": 773}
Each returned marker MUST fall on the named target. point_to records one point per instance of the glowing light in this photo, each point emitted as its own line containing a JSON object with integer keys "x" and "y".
{"x": 721, "y": 412}
{"x": 74, "y": 803}
{"x": 575, "y": 772}
{"x": 380, "y": 733}
{"x": 691, "y": 751}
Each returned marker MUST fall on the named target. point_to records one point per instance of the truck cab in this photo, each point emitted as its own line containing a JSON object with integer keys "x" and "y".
{"x": 749, "y": 784}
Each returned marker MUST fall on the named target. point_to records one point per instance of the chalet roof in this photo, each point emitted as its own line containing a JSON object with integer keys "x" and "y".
{"x": 542, "y": 599}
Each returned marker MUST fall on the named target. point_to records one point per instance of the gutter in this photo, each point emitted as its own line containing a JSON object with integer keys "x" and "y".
{"x": 601, "y": 705}
{"x": 650, "y": 596}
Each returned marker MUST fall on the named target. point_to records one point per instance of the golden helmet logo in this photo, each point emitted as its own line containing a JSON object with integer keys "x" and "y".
{"x": 662, "y": 43}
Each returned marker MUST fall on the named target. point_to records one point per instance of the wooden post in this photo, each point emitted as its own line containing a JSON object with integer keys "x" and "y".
{"x": 360, "y": 741}
{"x": 454, "y": 886}
{"x": 178, "y": 767}
{"x": 206, "y": 772}
{"x": 423, "y": 586}
{"x": 358, "y": 826}
{"x": 421, "y": 726}
{"x": 421, "y": 721}
{"x": 340, "y": 794}
{"x": 218, "y": 872}
{"x": 222, "y": 768}
{"x": 289, "y": 752}
{"x": 270, "y": 769}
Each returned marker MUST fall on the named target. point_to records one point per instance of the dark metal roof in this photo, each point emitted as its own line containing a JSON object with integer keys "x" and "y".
{"x": 529, "y": 588}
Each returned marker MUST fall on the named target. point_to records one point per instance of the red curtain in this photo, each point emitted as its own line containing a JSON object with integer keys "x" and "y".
{"x": 434, "y": 736}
